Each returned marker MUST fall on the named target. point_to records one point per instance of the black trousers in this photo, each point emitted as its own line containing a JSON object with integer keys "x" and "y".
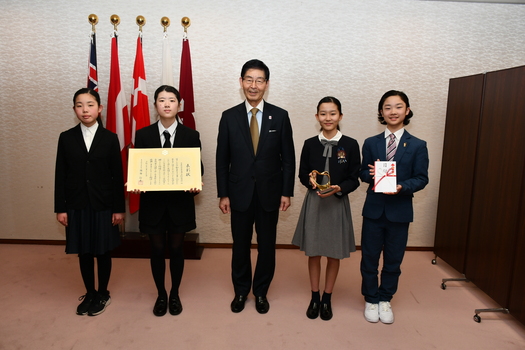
{"x": 242, "y": 224}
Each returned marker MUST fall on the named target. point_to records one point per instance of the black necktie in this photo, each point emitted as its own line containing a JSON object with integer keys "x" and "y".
{"x": 167, "y": 136}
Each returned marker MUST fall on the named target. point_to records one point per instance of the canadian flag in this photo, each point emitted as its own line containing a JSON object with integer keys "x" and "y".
{"x": 117, "y": 109}
{"x": 139, "y": 108}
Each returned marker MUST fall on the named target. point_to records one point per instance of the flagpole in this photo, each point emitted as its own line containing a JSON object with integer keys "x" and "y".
{"x": 185, "y": 22}
{"x": 92, "y": 74}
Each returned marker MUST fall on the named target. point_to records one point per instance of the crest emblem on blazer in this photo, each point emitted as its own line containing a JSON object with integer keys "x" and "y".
{"x": 341, "y": 155}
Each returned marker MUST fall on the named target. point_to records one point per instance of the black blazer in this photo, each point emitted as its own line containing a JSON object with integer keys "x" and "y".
{"x": 344, "y": 163}
{"x": 179, "y": 204}
{"x": 240, "y": 171}
{"x": 93, "y": 177}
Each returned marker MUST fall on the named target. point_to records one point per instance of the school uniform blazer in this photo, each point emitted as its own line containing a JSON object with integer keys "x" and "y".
{"x": 93, "y": 177}
{"x": 240, "y": 171}
{"x": 179, "y": 204}
{"x": 344, "y": 163}
{"x": 412, "y": 173}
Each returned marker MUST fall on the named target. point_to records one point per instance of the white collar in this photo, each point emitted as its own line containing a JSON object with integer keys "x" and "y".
{"x": 337, "y": 136}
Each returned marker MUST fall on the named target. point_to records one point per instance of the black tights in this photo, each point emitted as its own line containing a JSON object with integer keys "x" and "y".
{"x": 158, "y": 261}
{"x": 87, "y": 270}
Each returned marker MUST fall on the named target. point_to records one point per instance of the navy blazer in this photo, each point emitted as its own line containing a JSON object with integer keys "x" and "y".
{"x": 93, "y": 177}
{"x": 179, "y": 204}
{"x": 412, "y": 173}
{"x": 239, "y": 170}
{"x": 344, "y": 163}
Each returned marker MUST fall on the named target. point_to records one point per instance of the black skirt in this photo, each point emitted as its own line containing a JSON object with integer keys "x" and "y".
{"x": 91, "y": 231}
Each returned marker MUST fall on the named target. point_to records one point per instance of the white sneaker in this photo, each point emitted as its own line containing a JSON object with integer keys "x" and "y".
{"x": 371, "y": 312}
{"x": 385, "y": 312}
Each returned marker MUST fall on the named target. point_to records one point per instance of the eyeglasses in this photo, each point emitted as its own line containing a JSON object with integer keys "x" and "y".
{"x": 250, "y": 80}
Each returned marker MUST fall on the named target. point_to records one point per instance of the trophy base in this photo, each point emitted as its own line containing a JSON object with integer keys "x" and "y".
{"x": 328, "y": 190}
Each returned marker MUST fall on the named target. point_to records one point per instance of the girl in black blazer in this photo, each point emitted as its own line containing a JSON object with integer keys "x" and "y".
{"x": 167, "y": 215}
{"x": 325, "y": 223}
{"x": 89, "y": 197}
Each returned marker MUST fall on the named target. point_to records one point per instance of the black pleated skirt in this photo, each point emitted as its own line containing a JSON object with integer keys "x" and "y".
{"x": 91, "y": 231}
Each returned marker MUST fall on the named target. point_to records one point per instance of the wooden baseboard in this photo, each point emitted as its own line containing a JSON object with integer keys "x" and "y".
{"x": 191, "y": 241}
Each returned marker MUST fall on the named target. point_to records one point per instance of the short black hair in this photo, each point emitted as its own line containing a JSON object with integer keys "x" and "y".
{"x": 255, "y": 64}
{"x": 87, "y": 91}
{"x": 387, "y": 94}
{"x": 167, "y": 88}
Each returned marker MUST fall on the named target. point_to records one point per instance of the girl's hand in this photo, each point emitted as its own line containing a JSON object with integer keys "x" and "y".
{"x": 335, "y": 189}
{"x": 62, "y": 218}
{"x": 195, "y": 190}
{"x": 313, "y": 177}
{"x": 117, "y": 218}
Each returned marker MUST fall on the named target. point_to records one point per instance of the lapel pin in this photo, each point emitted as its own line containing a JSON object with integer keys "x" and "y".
{"x": 270, "y": 117}
{"x": 405, "y": 144}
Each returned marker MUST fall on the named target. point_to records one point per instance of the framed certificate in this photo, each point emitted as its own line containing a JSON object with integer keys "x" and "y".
{"x": 385, "y": 179}
{"x": 164, "y": 169}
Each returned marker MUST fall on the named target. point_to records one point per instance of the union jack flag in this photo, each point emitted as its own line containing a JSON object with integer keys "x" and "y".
{"x": 92, "y": 78}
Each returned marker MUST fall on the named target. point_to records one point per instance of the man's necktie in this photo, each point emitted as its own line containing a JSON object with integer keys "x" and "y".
{"x": 254, "y": 129}
{"x": 167, "y": 136}
{"x": 391, "y": 148}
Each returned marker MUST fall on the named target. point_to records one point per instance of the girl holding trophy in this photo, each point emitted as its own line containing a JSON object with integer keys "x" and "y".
{"x": 329, "y": 168}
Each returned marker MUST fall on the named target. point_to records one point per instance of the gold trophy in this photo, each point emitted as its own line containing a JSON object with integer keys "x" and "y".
{"x": 324, "y": 188}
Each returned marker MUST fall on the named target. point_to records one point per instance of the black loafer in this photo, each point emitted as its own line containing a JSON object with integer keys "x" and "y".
{"x": 175, "y": 305}
{"x": 161, "y": 306}
{"x": 313, "y": 310}
{"x": 326, "y": 311}
{"x": 237, "y": 304}
{"x": 262, "y": 305}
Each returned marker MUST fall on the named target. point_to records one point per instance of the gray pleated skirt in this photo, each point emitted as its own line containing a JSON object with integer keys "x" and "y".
{"x": 325, "y": 227}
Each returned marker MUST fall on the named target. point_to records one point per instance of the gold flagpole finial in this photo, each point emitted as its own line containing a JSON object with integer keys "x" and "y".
{"x": 165, "y": 22}
{"x": 93, "y": 19}
{"x": 141, "y": 22}
{"x": 115, "y": 20}
{"x": 185, "y": 22}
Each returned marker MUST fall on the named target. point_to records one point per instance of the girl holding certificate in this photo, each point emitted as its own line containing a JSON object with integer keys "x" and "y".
{"x": 325, "y": 222}
{"x": 386, "y": 216}
{"x": 167, "y": 215}
{"x": 89, "y": 197}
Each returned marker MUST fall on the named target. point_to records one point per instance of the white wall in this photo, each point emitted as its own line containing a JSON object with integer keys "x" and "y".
{"x": 354, "y": 50}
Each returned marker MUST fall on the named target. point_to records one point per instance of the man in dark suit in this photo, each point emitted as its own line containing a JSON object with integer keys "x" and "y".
{"x": 386, "y": 216}
{"x": 255, "y": 164}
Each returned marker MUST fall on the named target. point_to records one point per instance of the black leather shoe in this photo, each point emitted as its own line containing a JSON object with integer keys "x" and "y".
{"x": 313, "y": 310}
{"x": 175, "y": 305}
{"x": 237, "y": 304}
{"x": 326, "y": 311}
{"x": 161, "y": 306}
{"x": 262, "y": 305}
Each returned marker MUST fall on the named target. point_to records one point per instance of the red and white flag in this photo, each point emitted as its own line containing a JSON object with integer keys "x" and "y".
{"x": 92, "y": 76}
{"x": 139, "y": 108}
{"x": 186, "y": 86}
{"x": 117, "y": 110}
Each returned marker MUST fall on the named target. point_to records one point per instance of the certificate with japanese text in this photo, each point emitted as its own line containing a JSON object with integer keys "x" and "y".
{"x": 164, "y": 169}
{"x": 385, "y": 179}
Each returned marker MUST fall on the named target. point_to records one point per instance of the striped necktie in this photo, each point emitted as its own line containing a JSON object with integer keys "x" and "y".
{"x": 391, "y": 148}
